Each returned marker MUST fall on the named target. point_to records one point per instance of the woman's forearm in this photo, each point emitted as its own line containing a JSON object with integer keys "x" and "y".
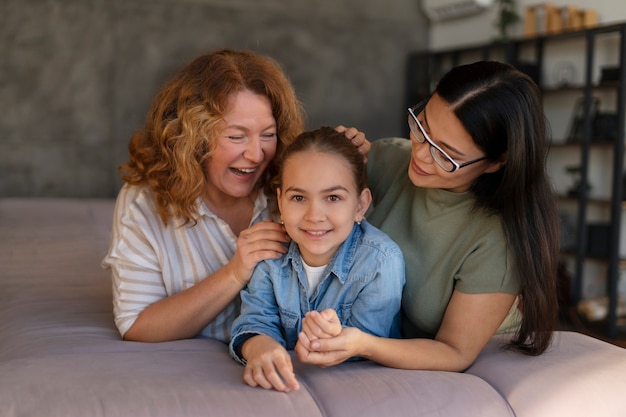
{"x": 425, "y": 354}
{"x": 185, "y": 314}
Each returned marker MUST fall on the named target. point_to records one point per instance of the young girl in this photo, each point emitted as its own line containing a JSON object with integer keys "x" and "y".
{"x": 337, "y": 264}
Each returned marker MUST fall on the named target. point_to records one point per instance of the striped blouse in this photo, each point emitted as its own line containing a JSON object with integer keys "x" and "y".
{"x": 150, "y": 261}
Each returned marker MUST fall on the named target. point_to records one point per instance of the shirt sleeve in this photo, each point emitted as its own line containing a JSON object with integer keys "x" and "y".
{"x": 259, "y": 312}
{"x": 377, "y": 308}
{"x": 135, "y": 270}
{"x": 383, "y": 162}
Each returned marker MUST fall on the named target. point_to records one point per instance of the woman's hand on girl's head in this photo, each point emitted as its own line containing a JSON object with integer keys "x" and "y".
{"x": 264, "y": 240}
{"x": 357, "y": 138}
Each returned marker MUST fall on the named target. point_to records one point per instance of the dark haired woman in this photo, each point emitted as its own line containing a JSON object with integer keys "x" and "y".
{"x": 476, "y": 220}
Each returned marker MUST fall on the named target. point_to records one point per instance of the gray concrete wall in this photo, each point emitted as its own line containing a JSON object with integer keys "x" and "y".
{"x": 77, "y": 76}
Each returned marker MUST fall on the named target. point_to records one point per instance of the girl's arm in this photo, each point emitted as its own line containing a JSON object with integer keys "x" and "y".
{"x": 257, "y": 334}
{"x": 468, "y": 324}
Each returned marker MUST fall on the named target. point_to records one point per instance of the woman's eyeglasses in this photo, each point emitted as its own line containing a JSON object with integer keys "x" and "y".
{"x": 442, "y": 159}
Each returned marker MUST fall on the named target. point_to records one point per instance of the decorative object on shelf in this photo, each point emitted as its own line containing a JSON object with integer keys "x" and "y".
{"x": 598, "y": 239}
{"x": 554, "y": 22}
{"x": 442, "y": 10}
{"x": 577, "y": 186}
{"x": 577, "y": 129}
{"x": 564, "y": 74}
{"x": 572, "y": 17}
{"x": 605, "y": 126}
{"x": 588, "y": 19}
{"x": 550, "y": 19}
{"x": 609, "y": 75}
{"x": 597, "y": 308}
{"x": 507, "y": 17}
{"x": 530, "y": 21}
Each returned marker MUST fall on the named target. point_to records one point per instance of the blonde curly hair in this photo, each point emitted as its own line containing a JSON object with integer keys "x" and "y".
{"x": 186, "y": 116}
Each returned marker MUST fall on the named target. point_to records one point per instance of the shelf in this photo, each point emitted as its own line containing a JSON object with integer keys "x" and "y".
{"x": 594, "y": 143}
{"x": 591, "y": 200}
{"x": 610, "y": 85}
{"x": 598, "y": 329}
{"x": 572, "y": 252}
{"x": 517, "y": 41}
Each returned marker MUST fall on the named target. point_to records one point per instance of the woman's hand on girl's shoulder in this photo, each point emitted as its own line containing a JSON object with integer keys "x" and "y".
{"x": 264, "y": 240}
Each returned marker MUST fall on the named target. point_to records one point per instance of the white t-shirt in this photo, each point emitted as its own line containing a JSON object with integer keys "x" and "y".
{"x": 150, "y": 261}
{"x": 313, "y": 276}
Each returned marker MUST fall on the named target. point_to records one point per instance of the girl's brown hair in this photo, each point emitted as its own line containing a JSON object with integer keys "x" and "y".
{"x": 325, "y": 140}
{"x": 330, "y": 141}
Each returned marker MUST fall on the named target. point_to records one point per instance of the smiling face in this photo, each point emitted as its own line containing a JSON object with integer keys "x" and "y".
{"x": 244, "y": 148}
{"x": 447, "y": 132}
{"x": 319, "y": 203}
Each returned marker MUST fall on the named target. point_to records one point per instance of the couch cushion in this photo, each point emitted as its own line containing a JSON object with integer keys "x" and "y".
{"x": 364, "y": 389}
{"x": 578, "y": 376}
{"x": 153, "y": 382}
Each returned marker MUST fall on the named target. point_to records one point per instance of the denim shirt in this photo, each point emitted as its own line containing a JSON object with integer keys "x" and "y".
{"x": 362, "y": 282}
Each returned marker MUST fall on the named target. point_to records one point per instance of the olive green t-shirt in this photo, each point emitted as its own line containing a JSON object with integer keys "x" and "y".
{"x": 446, "y": 244}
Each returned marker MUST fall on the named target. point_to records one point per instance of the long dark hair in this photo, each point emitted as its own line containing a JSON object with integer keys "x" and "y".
{"x": 501, "y": 108}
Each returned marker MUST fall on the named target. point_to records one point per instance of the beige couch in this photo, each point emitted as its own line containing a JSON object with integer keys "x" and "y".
{"x": 60, "y": 354}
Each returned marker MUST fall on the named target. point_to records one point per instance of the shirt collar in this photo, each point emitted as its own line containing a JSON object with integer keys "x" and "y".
{"x": 260, "y": 205}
